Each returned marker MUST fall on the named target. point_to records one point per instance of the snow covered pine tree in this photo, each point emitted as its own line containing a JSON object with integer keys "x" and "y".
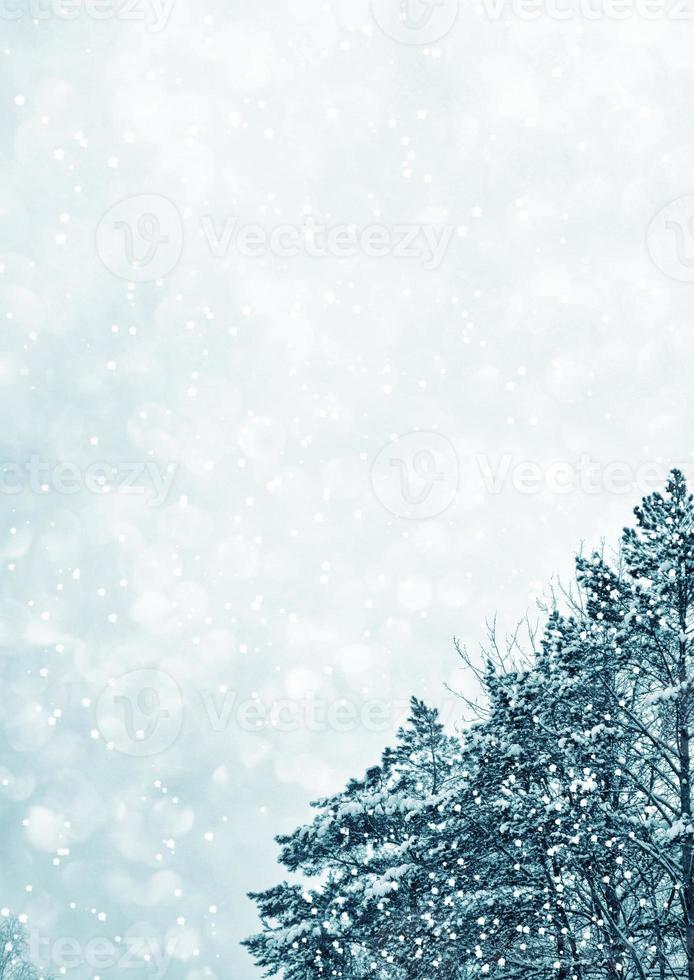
{"x": 14, "y": 954}
{"x": 553, "y": 837}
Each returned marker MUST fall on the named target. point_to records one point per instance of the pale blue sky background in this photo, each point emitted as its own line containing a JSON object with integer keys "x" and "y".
{"x": 286, "y": 546}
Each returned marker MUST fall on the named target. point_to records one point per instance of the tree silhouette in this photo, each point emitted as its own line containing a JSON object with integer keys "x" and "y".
{"x": 553, "y": 837}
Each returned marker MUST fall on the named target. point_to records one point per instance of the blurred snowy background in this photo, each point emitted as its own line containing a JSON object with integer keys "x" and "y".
{"x": 252, "y": 486}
